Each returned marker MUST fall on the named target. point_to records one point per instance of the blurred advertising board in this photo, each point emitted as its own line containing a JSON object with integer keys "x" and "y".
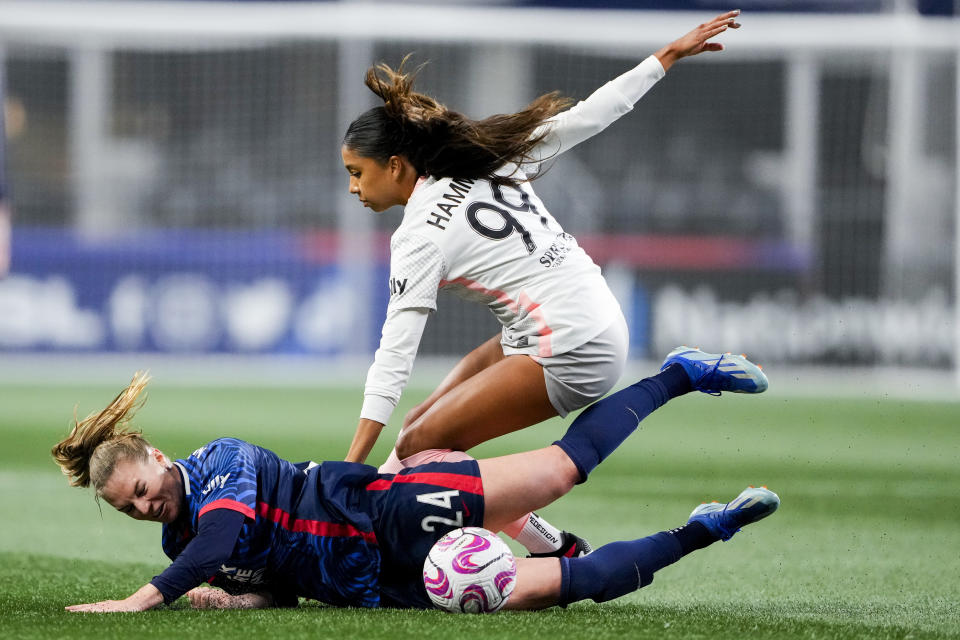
{"x": 178, "y": 291}
{"x": 282, "y": 292}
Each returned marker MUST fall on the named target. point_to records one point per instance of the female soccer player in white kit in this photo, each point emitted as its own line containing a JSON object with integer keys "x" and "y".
{"x": 473, "y": 225}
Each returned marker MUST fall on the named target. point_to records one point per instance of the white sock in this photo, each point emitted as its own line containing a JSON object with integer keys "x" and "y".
{"x": 539, "y": 536}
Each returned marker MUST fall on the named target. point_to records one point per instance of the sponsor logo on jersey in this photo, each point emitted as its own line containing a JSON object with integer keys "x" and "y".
{"x": 557, "y": 252}
{"x": 246, "y": 576}
{"x": 458, "y": 191}
{"x": 217, "y": 481}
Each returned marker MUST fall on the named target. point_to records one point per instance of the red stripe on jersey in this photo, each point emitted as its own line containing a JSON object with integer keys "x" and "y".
{"x": 226, "y": 503}
{"x": 314, "y": 527}
{"x": 379, "y": 485}
{"x": 467, "y": 484}
{"x": 545, "y": 349}
{"x": 533, "y": 308}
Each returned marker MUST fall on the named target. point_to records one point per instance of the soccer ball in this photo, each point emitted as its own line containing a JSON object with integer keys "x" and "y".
{"x": 470, "y": 570}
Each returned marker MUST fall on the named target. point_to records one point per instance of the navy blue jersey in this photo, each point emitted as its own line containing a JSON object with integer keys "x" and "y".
{"x": 337, "y": 532}
{"x": 306, "y": 529}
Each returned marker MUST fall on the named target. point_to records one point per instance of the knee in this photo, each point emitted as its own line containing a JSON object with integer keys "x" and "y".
{"x": 566, "y": 474}
{"x": 413, "y": 440}
{"x": 427, "y": 433}
{"x": 405, "y": 446}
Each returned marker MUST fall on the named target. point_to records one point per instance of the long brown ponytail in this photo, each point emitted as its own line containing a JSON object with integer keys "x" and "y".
{"x": 96, "y": 443}
{"x": 440, "y": 142}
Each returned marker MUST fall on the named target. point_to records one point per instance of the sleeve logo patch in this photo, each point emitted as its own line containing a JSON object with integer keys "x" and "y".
{"x": 397, "y": 286}
{"x": 217, "y": 481}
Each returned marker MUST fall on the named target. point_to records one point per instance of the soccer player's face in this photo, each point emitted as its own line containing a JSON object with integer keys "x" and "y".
{"x": 145, "y": 490}
{"x": 379, "y": 186}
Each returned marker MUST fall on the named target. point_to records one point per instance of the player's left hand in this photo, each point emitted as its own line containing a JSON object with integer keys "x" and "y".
{"x": 207, "y": 598}
{"x": 697, "y": 40}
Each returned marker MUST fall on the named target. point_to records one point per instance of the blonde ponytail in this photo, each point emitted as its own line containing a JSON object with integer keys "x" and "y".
{"x": 96, "y": 443}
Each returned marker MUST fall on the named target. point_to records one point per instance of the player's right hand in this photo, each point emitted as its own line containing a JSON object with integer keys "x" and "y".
{"x": 207, "y": 598}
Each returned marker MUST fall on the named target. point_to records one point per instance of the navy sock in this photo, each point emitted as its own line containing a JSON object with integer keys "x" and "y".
{"x": 676, "y": 380}
{"x": 693, "y": 536}
{"x": 617, "y": 568}
{"x": 602, "y": 426}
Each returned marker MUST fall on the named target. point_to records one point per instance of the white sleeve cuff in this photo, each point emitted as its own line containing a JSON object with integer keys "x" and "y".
{"x": 633, "y": 84}
{"x": 377, "y": 408}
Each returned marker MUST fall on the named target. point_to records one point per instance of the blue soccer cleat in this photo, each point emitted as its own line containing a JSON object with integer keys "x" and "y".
{"x": 724, "y": 520}
{"x": 715, "y": 372}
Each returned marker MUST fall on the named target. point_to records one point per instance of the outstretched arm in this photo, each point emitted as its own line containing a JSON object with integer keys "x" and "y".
{"x": 617, "y": 97}
{"x": 216, "y": 537}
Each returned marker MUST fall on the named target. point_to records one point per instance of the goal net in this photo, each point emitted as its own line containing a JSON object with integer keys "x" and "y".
{"x": 176, "y": 184}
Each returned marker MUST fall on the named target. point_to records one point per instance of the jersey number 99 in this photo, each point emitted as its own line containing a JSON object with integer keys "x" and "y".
{"x": 509, "y": 222}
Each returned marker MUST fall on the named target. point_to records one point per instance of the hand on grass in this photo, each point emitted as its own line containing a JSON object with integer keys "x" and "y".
{"x": 207, "y": 598}
{"x": 106, "y": 606}
{"x": 146, "y": 597}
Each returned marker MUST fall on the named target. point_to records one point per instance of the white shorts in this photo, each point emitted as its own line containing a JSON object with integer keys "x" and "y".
{"x": 578, "y": 377}
{"x": 574, "y": 380}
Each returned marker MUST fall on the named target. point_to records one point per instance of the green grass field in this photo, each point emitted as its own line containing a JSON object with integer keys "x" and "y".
{"x": 865, "y": 545}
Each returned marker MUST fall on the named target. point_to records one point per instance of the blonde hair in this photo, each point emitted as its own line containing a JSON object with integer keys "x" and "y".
{"x": 98, "y": 442}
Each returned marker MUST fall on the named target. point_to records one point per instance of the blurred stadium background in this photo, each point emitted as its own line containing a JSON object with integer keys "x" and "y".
{"x": 178, "y": 202}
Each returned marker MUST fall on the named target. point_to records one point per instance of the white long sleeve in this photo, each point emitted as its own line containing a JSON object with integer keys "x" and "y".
{"x": 393, "y": 362}
{"x": 596, "y": 113}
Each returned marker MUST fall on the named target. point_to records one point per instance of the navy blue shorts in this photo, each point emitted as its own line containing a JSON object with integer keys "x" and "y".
{"x": 414, "y": 509}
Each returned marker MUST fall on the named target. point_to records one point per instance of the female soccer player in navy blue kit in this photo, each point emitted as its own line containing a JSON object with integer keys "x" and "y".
{"x": 268, "y": 531}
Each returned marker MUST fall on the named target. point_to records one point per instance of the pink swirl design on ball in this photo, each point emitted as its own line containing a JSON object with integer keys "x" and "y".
{"x": 503, "y": 580}
{"x": 463, "y": 561}
{"x": 438, "y": 586}
{"x": 446, "y": 542}
{"x": 474, "y": 600}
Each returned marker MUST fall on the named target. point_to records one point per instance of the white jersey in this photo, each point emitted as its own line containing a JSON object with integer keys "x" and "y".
{"x": 500, "y": 246}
